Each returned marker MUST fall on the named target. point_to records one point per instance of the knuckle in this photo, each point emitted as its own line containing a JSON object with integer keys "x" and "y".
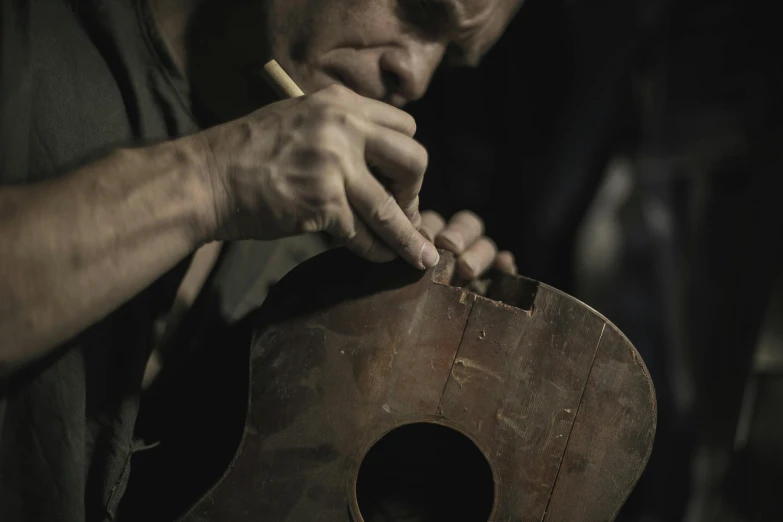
{"x": 341, "y": 116}
{"x": 331, "y": 114}
{"x": 411, "y": 125}
{"x": 320, "y": 97}
{"x": 342, "y": 229}
{"x": 320, "y": 188}
{"x": 317, "y": 158}
{"x": 346, "y": 232}
{"x": 323, "y": 133}
{"x": 362, "y": 243}
{"x": 313, "y": 224}
{"x": 329, "y": 121}
{"x": 337, "y": 91}
{"x": 414, "y": 162}
{"x": 384, "y": 212}
{"x": 342, "y": 119}
{"x": 423, "y": 153}
{"x": 320, "y": 104}
{"x": 332, "y": 94}
{"x": 322, "y": 112}
{"x": 420, "y": 160}
{"x": 334, "y": 123}
{"x": 408, "y": 123}
{"x": 332, "y": 190}
{"x": 245, "y": 131}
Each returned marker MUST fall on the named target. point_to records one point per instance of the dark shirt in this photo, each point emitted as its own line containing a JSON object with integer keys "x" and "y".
{"x": 77, "y": 79}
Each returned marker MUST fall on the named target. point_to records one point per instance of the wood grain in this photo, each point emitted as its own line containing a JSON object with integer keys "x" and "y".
{"x": 610, "y": 441}
{"x": 553, "y": 395}
{"x": 516, "y": 385}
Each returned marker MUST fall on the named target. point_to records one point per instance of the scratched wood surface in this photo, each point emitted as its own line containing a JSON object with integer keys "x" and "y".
{"x": 555, "y": 397}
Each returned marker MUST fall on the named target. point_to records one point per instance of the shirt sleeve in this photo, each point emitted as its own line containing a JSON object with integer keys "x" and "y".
{"x": 15, "y": 90}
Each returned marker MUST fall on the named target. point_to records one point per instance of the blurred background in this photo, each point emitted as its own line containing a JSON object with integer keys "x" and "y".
{"x": 629, "y": 153}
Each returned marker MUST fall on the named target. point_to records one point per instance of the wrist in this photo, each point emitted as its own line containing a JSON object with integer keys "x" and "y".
{"x": 186, "y": 165}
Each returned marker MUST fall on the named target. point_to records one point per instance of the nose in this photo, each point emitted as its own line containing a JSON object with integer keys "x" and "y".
{"x": 407, "y": 71}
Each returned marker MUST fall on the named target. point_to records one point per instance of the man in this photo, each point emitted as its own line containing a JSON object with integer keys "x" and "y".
{"x": 108, "y": 186}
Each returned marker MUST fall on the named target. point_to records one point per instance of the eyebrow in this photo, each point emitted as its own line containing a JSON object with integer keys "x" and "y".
{"x": 431, "y": 15}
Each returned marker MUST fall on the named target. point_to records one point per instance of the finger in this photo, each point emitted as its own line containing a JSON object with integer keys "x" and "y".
{"x": 348, "y": 230}
{"x": 463, "y": 229}
{"x": 416, "y": 217}
{"x": 505, "y": 262}
{"x": 431, "y": 224}
{"x": 380, "y": 212}
{"x": 401, "y": 163}
{"x": 376, "y": 111}
{"x": 367, "y": 245}
{"x": 477, "y": 259}
{"x": 388, "y": 116}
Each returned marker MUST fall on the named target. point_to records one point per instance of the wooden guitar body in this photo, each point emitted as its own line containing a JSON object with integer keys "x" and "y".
{"x": 381, "y": 393}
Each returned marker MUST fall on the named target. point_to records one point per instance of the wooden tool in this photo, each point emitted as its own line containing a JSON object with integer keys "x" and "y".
{"x": 280, "y": 81}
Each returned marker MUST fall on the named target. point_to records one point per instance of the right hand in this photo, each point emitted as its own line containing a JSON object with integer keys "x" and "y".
{"x": 301, "y": 165}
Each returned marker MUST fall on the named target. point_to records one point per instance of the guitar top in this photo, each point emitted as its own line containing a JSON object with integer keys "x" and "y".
{"x": 381, "y": 393}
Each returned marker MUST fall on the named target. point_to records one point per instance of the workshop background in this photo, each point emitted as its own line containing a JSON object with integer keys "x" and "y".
{"x": 629, "y": 153}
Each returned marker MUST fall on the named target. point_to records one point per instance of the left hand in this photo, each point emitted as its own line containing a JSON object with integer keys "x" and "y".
{"x": 464, "y": 236}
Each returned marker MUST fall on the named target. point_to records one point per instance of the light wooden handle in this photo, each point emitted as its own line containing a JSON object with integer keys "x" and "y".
{"x": 280, "y": 81}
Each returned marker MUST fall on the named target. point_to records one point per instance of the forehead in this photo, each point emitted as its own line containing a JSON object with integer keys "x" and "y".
{"x": 479, "y": 23}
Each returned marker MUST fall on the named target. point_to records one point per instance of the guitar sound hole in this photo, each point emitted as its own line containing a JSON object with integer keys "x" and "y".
{"x": 425, "y": 472}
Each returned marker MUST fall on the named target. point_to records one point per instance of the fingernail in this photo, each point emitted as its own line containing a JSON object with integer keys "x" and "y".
{"x": 429, "y": 255}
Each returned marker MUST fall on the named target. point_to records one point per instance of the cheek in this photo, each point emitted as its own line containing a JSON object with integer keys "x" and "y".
{"x": 299, "y": 28}
{"x": 311, "y": 36}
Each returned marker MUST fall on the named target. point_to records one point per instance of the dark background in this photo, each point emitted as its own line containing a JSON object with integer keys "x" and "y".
{"x": 629, "y": 153}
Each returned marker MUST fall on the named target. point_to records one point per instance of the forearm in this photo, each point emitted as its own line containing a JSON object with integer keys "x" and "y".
{"x": 75, "y": 249}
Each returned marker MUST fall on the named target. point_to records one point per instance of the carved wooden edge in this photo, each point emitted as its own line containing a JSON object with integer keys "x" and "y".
{"x": 521, "y": 292}
{"x": 613, "y": 343}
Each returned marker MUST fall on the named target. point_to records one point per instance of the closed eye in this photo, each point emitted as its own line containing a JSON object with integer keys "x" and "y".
{"x": 435, "y": 18}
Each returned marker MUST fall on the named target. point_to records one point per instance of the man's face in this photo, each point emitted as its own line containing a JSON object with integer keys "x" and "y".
{"x": 383, "y": 49}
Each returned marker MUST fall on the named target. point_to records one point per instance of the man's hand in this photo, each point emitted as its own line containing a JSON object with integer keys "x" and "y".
{"x": 464, "y": 236}
{"x": 301, "y": 165}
